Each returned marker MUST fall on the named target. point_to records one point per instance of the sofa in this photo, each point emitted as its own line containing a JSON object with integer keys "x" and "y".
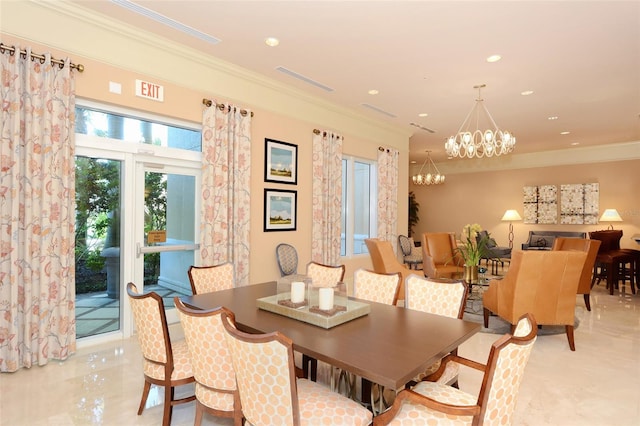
{"x": 543, "y": 240}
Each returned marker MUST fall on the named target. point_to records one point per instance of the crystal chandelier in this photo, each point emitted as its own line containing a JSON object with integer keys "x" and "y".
{"x": 430, "y": 178}
{"x": 479, "y": 143}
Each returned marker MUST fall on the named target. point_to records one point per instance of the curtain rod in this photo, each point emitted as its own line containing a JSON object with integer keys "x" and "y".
{"x": 209, "y": 102}
{"x": 324, "y": 134}
{"x": 12, "y": 50}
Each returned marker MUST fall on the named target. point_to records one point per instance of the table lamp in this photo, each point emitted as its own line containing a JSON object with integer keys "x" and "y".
{"x": 610, "y": 215}
{"x": 511, "y": 216}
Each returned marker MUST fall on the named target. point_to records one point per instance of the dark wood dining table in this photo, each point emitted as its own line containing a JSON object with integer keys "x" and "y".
{"x": 389, "y": 346}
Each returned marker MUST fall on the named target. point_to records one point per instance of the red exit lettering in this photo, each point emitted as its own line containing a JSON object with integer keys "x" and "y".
{"x": 146, "y": 89}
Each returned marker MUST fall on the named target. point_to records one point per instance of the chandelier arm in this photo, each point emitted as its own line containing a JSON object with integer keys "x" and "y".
{"x": 467, "y": 118}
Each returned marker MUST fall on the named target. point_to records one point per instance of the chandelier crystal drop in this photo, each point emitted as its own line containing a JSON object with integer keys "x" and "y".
{"x": 470, "y": 143}
{"x": 433, "y": 175}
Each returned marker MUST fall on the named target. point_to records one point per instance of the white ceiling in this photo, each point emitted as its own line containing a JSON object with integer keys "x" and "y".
{"x": 580, "y": 58}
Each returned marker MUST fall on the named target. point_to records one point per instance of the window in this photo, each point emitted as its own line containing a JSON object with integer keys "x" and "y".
{"x": 359, "y": 200}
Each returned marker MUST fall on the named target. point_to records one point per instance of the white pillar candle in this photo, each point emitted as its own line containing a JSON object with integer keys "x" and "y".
{"x": 325, "y": 298}
{"x": 297, "y": 292}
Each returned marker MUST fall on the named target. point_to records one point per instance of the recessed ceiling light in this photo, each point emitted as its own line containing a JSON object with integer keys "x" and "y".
{"x": 494, "y": 58}
{"x": 423, "y": 114}
{"x": 271, "y": 41}
{"x": 373, "y": 92}
{"x": 527, "y": 93}
{"x": 553, "y": 117}
{"x": 564, "y": 133}
{"x": 575, "y": 143}
{"x": 412, "y": 162}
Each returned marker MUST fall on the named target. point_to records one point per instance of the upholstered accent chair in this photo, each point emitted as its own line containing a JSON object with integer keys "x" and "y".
{"x": 325, "y": 275}
{"x": 541, "y": 282}
{"x": 206, "y": 279}
{"x": 430, "y": 402}
{"x": 385, "y": 261}
{"x": 440, "y": 297}
{"x": 270, "y": 393}
{"x": 216, "y": 391}
{"x": 411, "y": 255}
{"x": 591, "y": 248}
{"x": 439, "y": 255}
{"x": 166, "y": 363}
{"x": 287, "y": 258}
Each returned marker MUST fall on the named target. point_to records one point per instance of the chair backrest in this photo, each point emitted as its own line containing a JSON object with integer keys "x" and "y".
{"x": 440, "y": 246}
{"x": 405, "y": 244}
{"x": 543, "y": 283}
{"x": 151, "y": 326}
{"x": 287, "y": 258}
{"x": 374, "y": 287}
{"x": 610, "y": 239}
{"x": 325, "y": 275}
{"x": 436, "y": 296}
{"x": 206, "y": 279}
{"x": 591, "y": 247}
{"x": 265, "y": 375}
{"x": 210, "y": 356}
{"x": 505, "y": 369}
{"x": 384, "y": 260}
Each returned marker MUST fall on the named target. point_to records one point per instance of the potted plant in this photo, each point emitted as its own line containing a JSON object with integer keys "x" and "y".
{"x": 414, "y": 209}
{"x": 472, "y": 249}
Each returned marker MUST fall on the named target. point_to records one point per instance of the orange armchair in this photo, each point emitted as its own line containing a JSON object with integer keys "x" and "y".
{"x": 591, "y": 248}
{"x": 439, "y": 255}
{"x": 385, "y": 261}
{"x": 542, "y": 283}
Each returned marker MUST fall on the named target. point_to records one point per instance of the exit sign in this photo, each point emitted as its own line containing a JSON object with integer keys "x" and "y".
{"x": 149, "y": 90}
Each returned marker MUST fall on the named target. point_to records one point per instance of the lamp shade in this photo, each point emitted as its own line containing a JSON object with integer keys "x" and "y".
{"x": 610, "y": 215}
{"x": 511, "y": 215}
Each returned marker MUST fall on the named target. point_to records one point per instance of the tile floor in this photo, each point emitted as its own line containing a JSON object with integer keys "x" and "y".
{"x": 597, "y": 385}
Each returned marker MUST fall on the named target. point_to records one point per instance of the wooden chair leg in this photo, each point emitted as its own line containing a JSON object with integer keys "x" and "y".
{"x": 168, "y": 408}
{"x": 572, "y": 343}
{"x": 587, "y": 302}
{"x": 145, "y": 395}
{"x": 486, "y": 313}
{"x": 199, "y": 412}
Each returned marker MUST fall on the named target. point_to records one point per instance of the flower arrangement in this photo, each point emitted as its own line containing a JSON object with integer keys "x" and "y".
{"x": 472, "y": 248}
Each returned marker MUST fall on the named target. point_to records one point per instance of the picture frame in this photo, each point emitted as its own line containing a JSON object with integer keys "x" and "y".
{"x": 280, "y": 210}
{"x": 280, "y": 162}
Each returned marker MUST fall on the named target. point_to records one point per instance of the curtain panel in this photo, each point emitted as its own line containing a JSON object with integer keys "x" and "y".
{"x": 388, "y": 194}
{"x": 226, "y": 183}
{"x": 37, "y": 212}
{"x": 327, "y": 197}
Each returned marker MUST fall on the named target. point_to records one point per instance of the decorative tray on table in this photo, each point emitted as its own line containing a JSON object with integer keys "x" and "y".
{"x": 344, "y": 309}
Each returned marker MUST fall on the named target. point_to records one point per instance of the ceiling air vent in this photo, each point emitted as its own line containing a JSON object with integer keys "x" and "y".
{"x": 303, "y": 78}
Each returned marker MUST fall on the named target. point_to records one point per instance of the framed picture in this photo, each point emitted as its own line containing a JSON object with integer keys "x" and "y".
{"x": 280, "y": 207}
{"x": 280, "y": 162}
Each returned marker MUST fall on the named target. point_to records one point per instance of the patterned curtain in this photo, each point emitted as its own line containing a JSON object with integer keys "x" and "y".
{"x": 327, "y": 197}
{"x": 226, "y": 183}
{"x": 37, "y": 217}
{"x": 388, "y": 194}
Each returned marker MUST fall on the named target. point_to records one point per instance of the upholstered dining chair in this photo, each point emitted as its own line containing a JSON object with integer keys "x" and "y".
{"x": 216, "y": 391}
{"x": 591, "y": 248}
{"x": 166, "y": 363}
{"x": 439, "y": 255}
{"x": 541, "y": 282}
{"x": 385, "y": 261}
{"x": 287, "y": 258}
{"x": 270, "y": 393}
{"x": 325, "y": 275}
{"x": 206, "y": 279}
{"x": 411, "y": 255}
{"x": 430, "y": 402}
{"x": 440, "y": 297}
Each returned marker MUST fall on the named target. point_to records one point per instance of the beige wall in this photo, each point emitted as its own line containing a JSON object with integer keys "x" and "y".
{"x": 483, "y": 197}
{"x": 112, "y": 53}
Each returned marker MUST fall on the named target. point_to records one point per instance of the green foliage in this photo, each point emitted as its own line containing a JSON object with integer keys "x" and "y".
{"x": 414, "y": 209}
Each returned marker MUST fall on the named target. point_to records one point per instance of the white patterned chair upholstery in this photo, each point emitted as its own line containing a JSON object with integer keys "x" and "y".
{"x": 165, "y": 363}
{"x": 287, "y": 258}
{"x": 434, "y": 403}
{"x": 269, "y": 391}
{"x": 325, "y": 275}
{"x": 411, "y": 255}
{"x": 216, "y": 391}
{"x": 441, "y": 297}
{"x": 207, "y": 279}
